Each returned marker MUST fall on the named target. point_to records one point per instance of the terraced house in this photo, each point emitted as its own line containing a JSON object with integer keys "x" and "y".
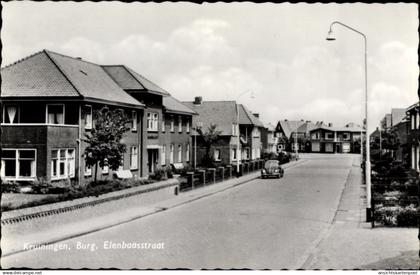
{"x": 47, "y": 102}
{"x": 223, "y": 114}
{"x": 167, "y": 121}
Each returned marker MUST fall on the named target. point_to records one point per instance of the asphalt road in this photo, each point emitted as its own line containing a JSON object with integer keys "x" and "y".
{"x": 262, "y": 224}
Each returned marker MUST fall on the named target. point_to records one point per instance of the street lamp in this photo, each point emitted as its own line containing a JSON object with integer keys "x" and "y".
{"x": 238, "y": 152}
{"x": 330, "y": 37}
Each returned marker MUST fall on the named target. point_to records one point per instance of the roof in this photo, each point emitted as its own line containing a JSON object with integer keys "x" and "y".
{"x": 413, "y": 107}
{"x": 348, "y": 128}
{"x": 49, "y": 74}
{"x": 397, "y": 115}
{"x": 172, "y": 105}
{"x": 246, "y": 117}
{"x": 223, "y": 114}
{"x": 129, "y": 79}
{"x": 290, "y": 126}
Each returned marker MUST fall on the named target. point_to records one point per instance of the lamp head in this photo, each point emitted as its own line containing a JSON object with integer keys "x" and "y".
{"x": 330, "y": 36}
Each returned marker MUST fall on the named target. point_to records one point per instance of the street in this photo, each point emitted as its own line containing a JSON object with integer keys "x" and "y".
{"x": 262, "y": 224}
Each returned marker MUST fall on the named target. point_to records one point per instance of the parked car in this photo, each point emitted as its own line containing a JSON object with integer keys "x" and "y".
{"x": 272, "y": 168}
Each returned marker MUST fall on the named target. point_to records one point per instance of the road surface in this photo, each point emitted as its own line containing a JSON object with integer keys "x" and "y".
{"x": 261, "y": 224}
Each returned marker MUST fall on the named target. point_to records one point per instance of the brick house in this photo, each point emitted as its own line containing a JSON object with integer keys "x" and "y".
{"x": 413, "y": 137}
{"x": 47, "y": 101}
{"x": 167, "y": 121}
{"x": 224, "y": 115}
{"x": 329, "y": 139}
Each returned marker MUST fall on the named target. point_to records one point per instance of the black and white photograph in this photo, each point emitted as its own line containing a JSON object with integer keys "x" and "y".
{"x": 209, "y": 136}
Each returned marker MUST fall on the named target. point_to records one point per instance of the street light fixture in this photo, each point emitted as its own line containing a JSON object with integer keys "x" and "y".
{"x": 367, "y": 162}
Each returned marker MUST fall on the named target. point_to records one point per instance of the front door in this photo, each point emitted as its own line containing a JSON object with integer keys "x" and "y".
{"x": 152, "y": 159}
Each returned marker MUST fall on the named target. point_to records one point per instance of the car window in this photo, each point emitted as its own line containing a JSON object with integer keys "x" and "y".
{"x": 271, "y": 164}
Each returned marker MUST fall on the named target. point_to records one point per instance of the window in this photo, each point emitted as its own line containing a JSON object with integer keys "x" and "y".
{"x": 346, "y": 136}
{"x": 256, "y": 133}
{"x": 163, "y": 124}
{"x": 55, "y": 114}
{"x": 258, "y": 153}
{"x": 187, "y": 126}
{"x": 234, "y": 154}
{"x": 246, "y": 151}
{"x": 179, "y": 124}
{"x": 105, "y": 170}
{"x": 253, "y": 155}
{"x": 133, "y": 157}
{"x": 152, "y": 121}
{"x": 18, "y": 163}
{"x": 187, "y": 153}
{"x": 172, "y": 123}
{"x": 171, "y": 153}
{"x": 163, "y": 155}
{"x": 217, "y": 156}
{"x": 179, "y": 153}
{"x": 134, "y": 121}
{"x": 88, "y": 171}
{"x": 10, "y": 114}
{"x": 87, "y": 116}
{"x": 62, "y": 163}
{"x": 329, "y": 135}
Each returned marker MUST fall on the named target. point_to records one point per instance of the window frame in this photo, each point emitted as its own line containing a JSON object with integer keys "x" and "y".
{"x": 134, "y": 120}
{"x": 187, "y": 152}
{"x": 17, "y": 165}
{"x": 179, "y": 124}
{"x": 179, "y": 157}
{"x": 219, "y": 155}
{"x": 163, "y": 155}
{"x": 134, "y": 151}
{"x": 5, "y": 113}
{"x": 152, "y": 122}
{"x": 172, "y": 128}
{"x": 67, "y": 161}
{"x": 87, "y": 126}
{"x": 64, "y": 113}
{"x": 171, "y": 153}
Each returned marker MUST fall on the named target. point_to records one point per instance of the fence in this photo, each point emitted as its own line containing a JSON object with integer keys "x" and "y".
{"x": 209, "y": 176}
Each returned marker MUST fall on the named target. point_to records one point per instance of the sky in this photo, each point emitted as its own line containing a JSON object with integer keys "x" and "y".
{"x": 273, "y": 58}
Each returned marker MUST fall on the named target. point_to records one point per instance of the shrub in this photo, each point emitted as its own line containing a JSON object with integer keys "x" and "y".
{"x": 10, "y": 187}
{"x": 408, "y": 216}
{"x": 159, "y": 174}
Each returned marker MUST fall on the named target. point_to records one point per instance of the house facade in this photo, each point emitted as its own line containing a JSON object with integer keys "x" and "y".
{"x": 269, "y": 139}
{"x": 328, "y": 139}
{"x": 292, "y": 133}
{"x": 47, "y": 103}
{"x": 167, "y": 121}
{"x": 223, "y": 114}
{"x": 413, "y": 136}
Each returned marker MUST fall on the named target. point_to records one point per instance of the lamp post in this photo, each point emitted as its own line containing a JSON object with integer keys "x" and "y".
{"x": 238, "y": 152}
{"x": 367, "y": 162}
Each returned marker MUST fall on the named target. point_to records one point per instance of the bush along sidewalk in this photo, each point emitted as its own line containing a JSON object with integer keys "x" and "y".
{"x": 395, "y": 195}
{"x": 64, "y": 190}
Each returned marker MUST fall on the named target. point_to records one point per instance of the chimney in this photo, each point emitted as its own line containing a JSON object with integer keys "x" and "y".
{"x": 198, "y": 100}
{"x": 256, "y": 115}
{"x": 79, "y": 58}
{"x": 330, "y": 124}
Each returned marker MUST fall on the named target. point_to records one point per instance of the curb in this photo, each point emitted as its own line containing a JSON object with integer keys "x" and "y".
{"x": 142, "y": 215}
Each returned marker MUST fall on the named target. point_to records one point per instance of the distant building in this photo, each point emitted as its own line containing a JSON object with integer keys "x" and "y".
{"x": 413, "y": 138}
{"x": 288, "y": 130}
{"x": 223, "y": 114}
{"x": 269, "y": 139}
{"x": 329, "y": 139}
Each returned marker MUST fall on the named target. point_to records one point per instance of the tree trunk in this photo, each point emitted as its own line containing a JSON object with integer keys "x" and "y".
{"x": 96, "y": 171}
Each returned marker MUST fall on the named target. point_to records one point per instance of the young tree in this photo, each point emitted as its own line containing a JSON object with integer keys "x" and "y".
{"x": 210, "y": 137}
{"x": 104, "y": 140}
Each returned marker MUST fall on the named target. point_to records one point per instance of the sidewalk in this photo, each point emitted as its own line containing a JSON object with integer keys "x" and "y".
{"x": 351, "y": 243}
{"x": 15, "y": 242}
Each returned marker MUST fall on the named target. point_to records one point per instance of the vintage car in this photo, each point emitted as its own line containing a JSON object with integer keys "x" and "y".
{"x": 272, "y": 168}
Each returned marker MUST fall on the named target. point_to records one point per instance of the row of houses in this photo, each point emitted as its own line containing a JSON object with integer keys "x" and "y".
{"x": 402, "y": 125}
{"x": 319, "y": 137}
{"x": 47, "y": 105}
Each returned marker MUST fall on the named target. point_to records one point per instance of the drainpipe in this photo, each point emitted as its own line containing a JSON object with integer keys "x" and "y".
{"x": 79, "y": 144}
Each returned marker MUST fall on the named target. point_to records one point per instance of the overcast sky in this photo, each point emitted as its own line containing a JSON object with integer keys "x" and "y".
{"x": 277, "y": 52}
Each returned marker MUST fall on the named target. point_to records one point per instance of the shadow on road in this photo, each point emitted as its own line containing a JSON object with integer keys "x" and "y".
{"x": 406, "y": 260}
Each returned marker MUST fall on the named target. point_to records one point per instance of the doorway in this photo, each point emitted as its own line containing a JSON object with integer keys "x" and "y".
{"x": 152, "y": 160}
